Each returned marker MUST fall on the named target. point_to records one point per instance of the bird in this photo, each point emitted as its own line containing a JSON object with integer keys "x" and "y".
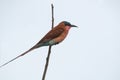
{"x": 53, "y": 37}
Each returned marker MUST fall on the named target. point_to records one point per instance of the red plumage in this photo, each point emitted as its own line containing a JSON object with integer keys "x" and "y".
{"x": 54, "y": 36}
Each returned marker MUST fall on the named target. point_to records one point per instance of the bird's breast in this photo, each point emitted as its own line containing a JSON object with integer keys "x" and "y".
{"x": 61, "y": 37}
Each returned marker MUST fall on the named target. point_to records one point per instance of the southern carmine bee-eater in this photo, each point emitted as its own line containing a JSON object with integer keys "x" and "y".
{"x": 53, "y": 37}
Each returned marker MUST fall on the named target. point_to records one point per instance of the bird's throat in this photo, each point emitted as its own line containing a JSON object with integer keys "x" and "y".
{"x": 68, "y": 28}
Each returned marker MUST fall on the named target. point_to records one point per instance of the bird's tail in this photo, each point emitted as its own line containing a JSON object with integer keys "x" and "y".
{"x": 18, "y": 56}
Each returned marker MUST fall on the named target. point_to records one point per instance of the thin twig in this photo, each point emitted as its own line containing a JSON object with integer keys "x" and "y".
{"x": 52, "y": 15}
{"x": 49, "y": 51}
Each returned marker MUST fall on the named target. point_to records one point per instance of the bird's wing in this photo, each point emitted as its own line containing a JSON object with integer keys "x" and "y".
{"x": 52, "y": 34}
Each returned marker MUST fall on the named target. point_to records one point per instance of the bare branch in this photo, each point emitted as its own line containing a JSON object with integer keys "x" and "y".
{"x": 49, "y": 51}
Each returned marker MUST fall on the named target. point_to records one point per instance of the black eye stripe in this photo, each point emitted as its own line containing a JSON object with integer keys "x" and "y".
{"x": 67, "y": 23}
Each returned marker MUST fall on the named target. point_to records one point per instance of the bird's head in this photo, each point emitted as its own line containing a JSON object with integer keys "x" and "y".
{"x": 68, "y": 24}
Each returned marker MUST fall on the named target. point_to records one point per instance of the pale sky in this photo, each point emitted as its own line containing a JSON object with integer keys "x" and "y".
{"x": 90, "y": 52}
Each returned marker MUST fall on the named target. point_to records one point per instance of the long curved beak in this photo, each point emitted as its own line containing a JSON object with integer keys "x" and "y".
{"x": 74, "y": 26}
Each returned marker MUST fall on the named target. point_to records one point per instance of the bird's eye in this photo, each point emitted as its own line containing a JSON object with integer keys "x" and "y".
{"x": 67, "y": 23}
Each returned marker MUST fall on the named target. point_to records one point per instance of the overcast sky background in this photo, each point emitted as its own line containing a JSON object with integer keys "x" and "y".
{"x": 90, "y": 52}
